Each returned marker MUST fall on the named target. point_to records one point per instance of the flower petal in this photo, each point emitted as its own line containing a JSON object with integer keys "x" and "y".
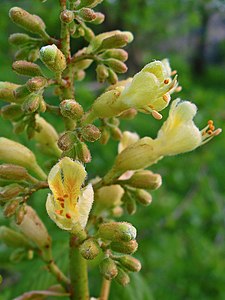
{"x": 84, "y": 204}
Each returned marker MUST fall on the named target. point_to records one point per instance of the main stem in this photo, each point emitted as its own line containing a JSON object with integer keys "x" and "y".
{"x": 78, "y": 272}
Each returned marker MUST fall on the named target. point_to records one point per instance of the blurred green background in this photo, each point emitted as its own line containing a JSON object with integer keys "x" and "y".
{"x": 181, "y": 235}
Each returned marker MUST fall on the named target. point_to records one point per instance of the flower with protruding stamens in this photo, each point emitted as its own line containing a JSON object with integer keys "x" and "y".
{"x": 70, "y": 204}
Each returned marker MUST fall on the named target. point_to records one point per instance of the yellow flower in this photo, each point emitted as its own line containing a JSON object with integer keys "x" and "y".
{"x": 179, "y": 133}
{"x": 69, "y": 204}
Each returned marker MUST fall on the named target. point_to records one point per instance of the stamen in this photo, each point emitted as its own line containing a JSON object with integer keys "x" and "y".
{"x": 166, "y": 81}
{"x": 174, "y": 72}
{"x": 68, "y": 216}
{"x": 58, "y": 212}
{"x": 156, "y": 115}
{"x": 62, "y": 205}
{"x": 178, "y": 89}
{"x": 166, "y": 97}
{"x": 217, "y": 132}
{"x": 210, "y": 122}
{"x": 209, "y": 132}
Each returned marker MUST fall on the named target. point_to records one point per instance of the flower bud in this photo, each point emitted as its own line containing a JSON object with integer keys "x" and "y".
{"x": 99, "y": 18}
{"x": 33, "y": 55}
{"x": 15, "y": 153}
{"x": 31, "y": 23}
{"x": 116, "y": 133}
{"x": 89, "y": 3}
{"x": 66, "y": 141}
{"x": 10, "y": 208}
{"x": 67, "y": 16}
{"x": 143, "y": 197}
{"x": 20, "y": 213}
{"x": 53, "y": 58}
{"x": 109, "y": 196}
{"x": 119, "y": 54}
{"x": 79, "y": 75}
{"x": 130, "y": 204}
{"x": 33, "y": 228}
{"x": 83, "y": 152}
{"x": 12, "y": 112}
{"x": 102, "y": 73}
{"x": 145, "y": 179}
{"x": 6, "y": 91}
{"x": 71, "y": 109}
{"x": 87, "y": 14}
{"x": 118, "y": 40}
{"x": 89, "y": 249}
{"x": 90, "y": 133}
{"x": 112, "y": 78}
{"x": 36, "y": 83}
{"x": 130, "y": 263}
{"x": 13, "y": 172}
{"x": 10, "y": 191}
{"x": 13, "y": 238}
{"x": 116, "y": 65}
{"x": 23, "y": 67}
{"x": 19, "y": 39}
{"x": 117, "y": 231}
{"x": 122, "y": 277}
{"x": 31, "y": 104}
{"x": 108, "y": 268}
{"x": 124, "y": 247}
{"x": 22, "y": 53}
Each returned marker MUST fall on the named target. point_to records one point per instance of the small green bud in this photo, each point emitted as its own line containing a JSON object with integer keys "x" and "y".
{"x": 112, "y": 78}
{"x": 31, "y": 104}
{"x": 66, "y": 141}
{"x": 124, "y": 247}
{"x": 31, "y": 23}
{"x": 10, "y": 208}
{"x": 143, "y": 197}
{"x": 71, "y": 109}
{"x": 13, "y": 172}
{"x": 122, "y": 277}
{"x": 90, "y": 133}
{"x": 88, "y": 33}
{"x": 83, "y": 152}
{"x": 67, "y": 16}
{"x": 99, "y": 18}
{"x": 130, "y": 263}
{"x": 117, "y": 231}
{"x": 13, "y": 238}
{"x": 108, "y": 268}
{"x": 115, "y": 64}
{"x": 21, "y": 93}
{"x": 102, "y": 73}
{"x": 36, "y": 83}
{"x": 145, "y": 179}
{"x": 89, "y": 249}
{"x": 10, "y": 191}
{"x": 87, "y": 14}
{"x": 19, "y": 39}
{"x": 23, "y": 67}
{"x": 53, "y": 58}
{"x": 119, "y": 54}
{"x": 12, "y": 112}
{"x": 129, "y": 114}
{"x": 118, "y": 40}
{"x": 89, "y": 3}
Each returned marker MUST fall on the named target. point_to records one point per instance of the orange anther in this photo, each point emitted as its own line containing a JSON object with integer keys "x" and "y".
{"x": 210, "y": 122}
{"x": 166, "y": 81}
{"x": 211, "y": 127}
{"x": 68, "y": 216}
{"x": 174, "y": 72}
{"x": 58, "y": 212}
{"x": 209, "y": 132}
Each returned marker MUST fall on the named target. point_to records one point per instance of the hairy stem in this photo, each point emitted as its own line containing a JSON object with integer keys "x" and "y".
{"x": 105, "y": 289}
{"x": 78, "y": 272}
{"x": 61, "y": 278}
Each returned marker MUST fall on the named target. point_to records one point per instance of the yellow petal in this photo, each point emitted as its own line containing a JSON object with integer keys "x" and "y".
{"x": 84, "y": 204}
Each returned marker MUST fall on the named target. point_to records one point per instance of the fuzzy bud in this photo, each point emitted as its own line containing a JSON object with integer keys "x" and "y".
{"x": 119, "y": 54}
{"x": 71, "y": 109}
{"x": 53, "y": 58}
{"x": 117, "y": 231}
{"x": 124, "y": 247}
{"x": 143, "y": 197}
{"x": 36, "y": 83}
{"x": 89, "y": 249}
{"x": 122, "y": 277}
{"x": 83, "y": 152}
{"x": 23, "y": 67}
{"x": 130, "y": 204}
{"x": 10, "y": 191}
{"x": 6, "y": 91}
{"x": 10, "y": 208}
{"x": 31, "y": 104}
{"x": 87, "y": 14}
{"x": 19, "y": 39}
{"x": 67, "y": 16}
{"x": 66, "y": 141}
{"x": 99, "y": 18}
{"x": 13, "y": 172}
{"x": 20, "y": 213}
{"x": 13, "y": 238}
{"x": 90, "y": 133}
{"x": 102, "y": 73}
{"x": 116, "y": 65}
{"x": 108, "y": 268}
{"x": 31, "y": 23}
{"x": 11, "y": 112}
{"x": 112, "y": 78}
{"x": 119, "y": 40}
{"x": 130, "y": 263}
{"x": 145, "y": 179}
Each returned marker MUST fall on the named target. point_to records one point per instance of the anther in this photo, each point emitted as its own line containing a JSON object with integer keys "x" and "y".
{"x": 178, "y": 89}
{"x": 166, "y": 97}
{"x": 68, "y": 216}
{"x": 156, "y": 115}
{"x": 210, "y": 122}
{"x": 166, "y": 81}
{"x": 174, "y": 72}
{"x": 62, "y": 205}
{"x": 58, "y": 212}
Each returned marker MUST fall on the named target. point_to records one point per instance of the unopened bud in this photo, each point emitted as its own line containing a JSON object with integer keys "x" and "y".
{"x": 6, "y": 91}
{"x": 26, "y": 68}
{"x": 117, "y": 231}
{"x": 108, "y": 268}
{"x": 90, "y": 133}
{"x": 109, "y": 196}
{"x": 130, "y": 263}
{"x": 122, "y": 277}
{"x": 53, "y": 58}
{"x": 36, "y": 83}
{"x": 117, "y": 211}
{"x": 13, "y": 172}
{"x": 13, "y": 238}
{"x": 31, "y": 23}
{"x": 129, "y": 114}
{"x": 71, "y": 109}
{"x": 88, "y": 33}
{"x": 145, "y": 179}
{"x": 99, "y": 18}
{"x": 124, "y": 247}
{"x": 19, "y": 39}
{"x": 117, "y": 65}
{"x": 89, "y": 249}
{"x": 10, "y": 191}
{"x": 87, "y": 14}
{"x": 80, "y": 75}
{"x": 119, "y": 40}
{"x": 66, "y": 141}
{"x": 83, "y": 152}
{"x": 112, "y": 78}
{"x": 89, "y": 3}
{"x": 102, "y": 73}
{"x": 12, "y": 112}
{"x": 31, "y": 104}
{"x": 67, "y": 16}
{"x": 22, "y": 53}
{"x": 143, "y": 197}
{"x": 10, "y": 208}
{"x": 119, "y": 54}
